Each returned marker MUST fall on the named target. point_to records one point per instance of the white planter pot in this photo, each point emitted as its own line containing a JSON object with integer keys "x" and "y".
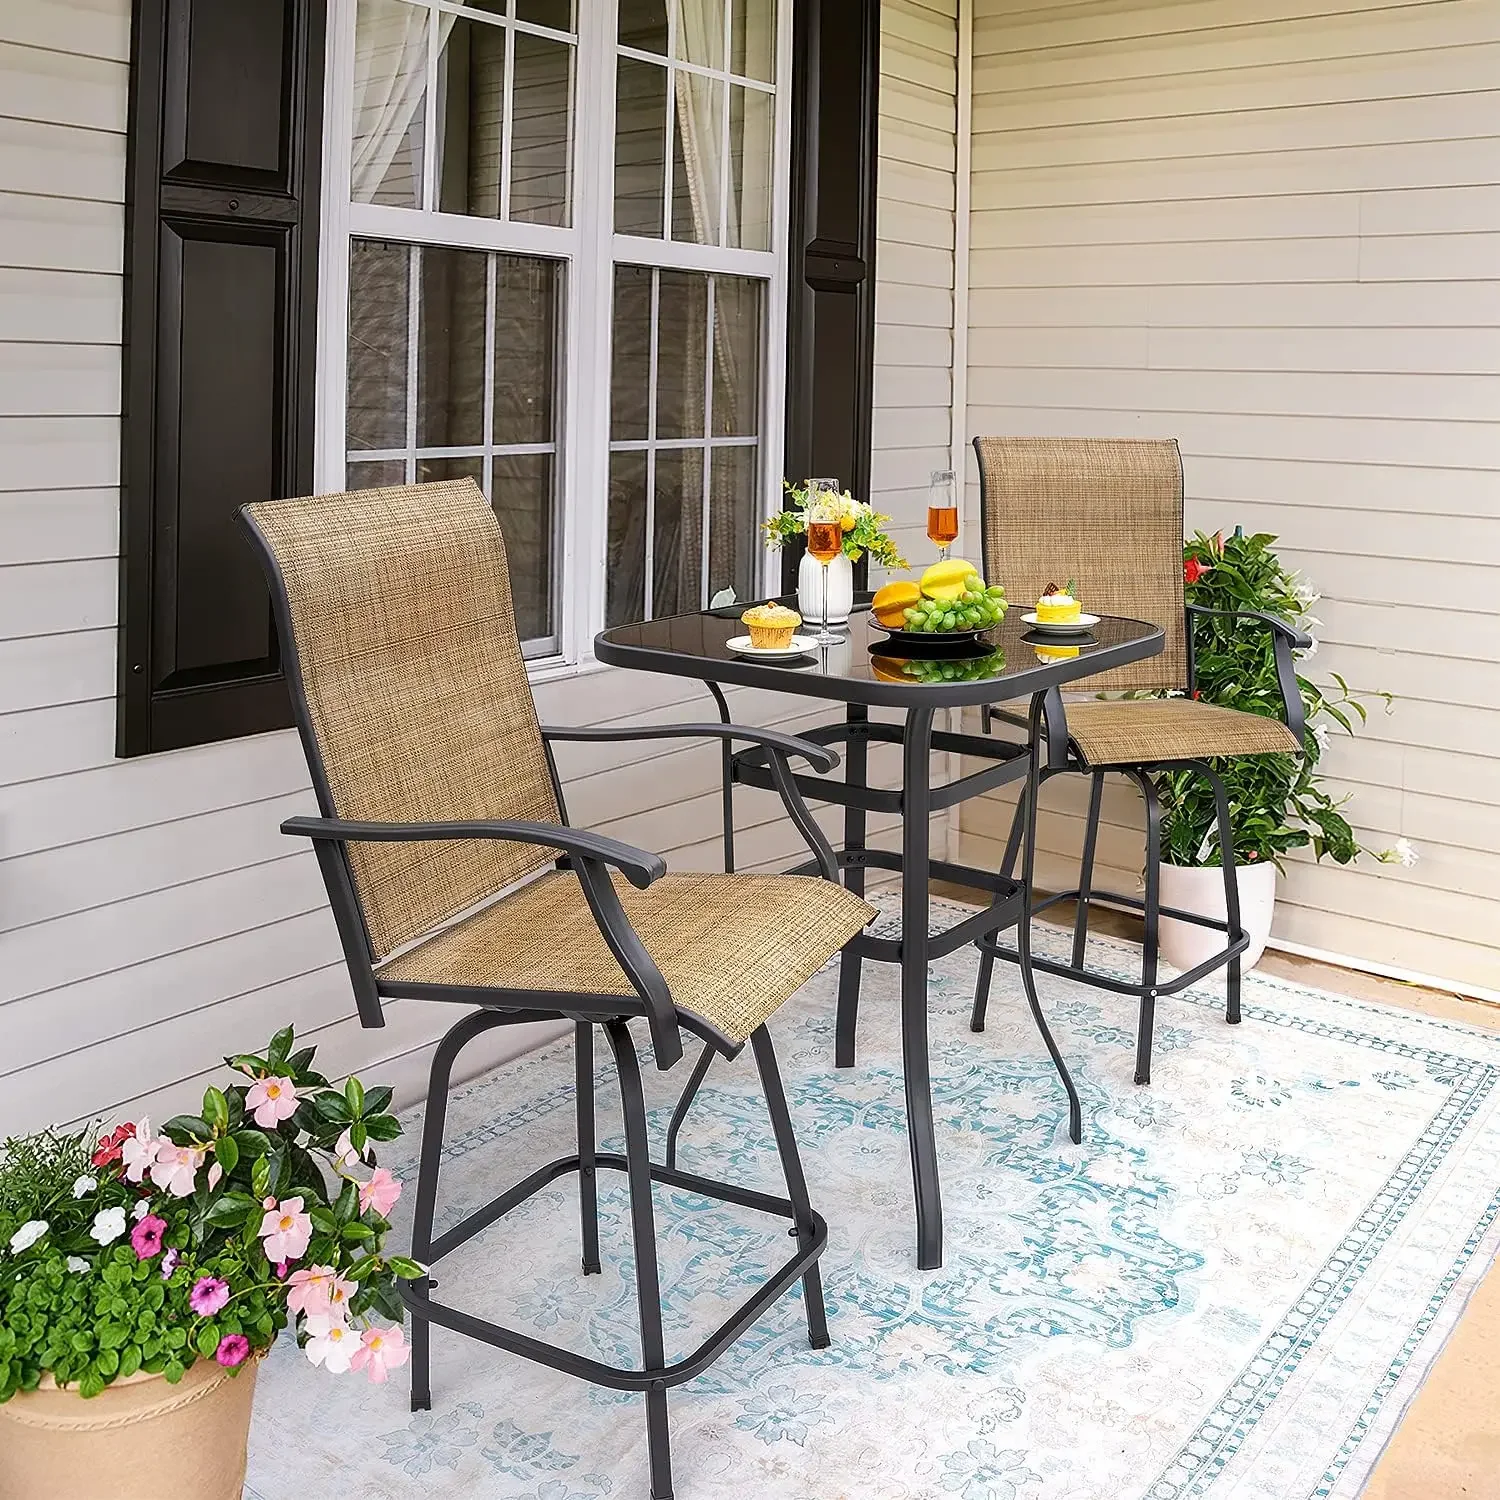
{"x": 1185, "y": 944}
{"x": 840, "y": 590}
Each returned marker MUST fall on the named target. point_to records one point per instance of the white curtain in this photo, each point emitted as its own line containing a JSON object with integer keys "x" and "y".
{"x": 700, "y": 32}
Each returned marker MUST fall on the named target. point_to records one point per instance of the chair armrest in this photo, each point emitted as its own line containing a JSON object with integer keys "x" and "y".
{"x": 590, "y": 852}
{"x": 1284, "y": 640}
{"x": 1298, "y": 640}
{"x": 639, "y": 866}
{"x": 820, "y": 757}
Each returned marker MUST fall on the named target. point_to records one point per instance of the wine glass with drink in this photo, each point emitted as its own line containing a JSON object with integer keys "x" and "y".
{"x": 825, "y": 540}
{"x": 942, "y": 511}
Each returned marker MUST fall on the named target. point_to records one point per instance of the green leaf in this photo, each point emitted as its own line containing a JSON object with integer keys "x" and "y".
{"x": 280, "y": 1049}
{"x": 407, "y": 1270}
{"x": 215, "y": 1108}
{"x": 130, "y": 1361}
{"x": 247, "y": 1062}
{"x": 252, "y": 1143}
{"x": 260, "y": 1177}
{"x": 227, "y": 1152}
{"x": 383, "y": 1128}
{"x": 232, "y": 1209}
{"x": 354, "y": 1094}
{"x": 189, "y": 1126}
{"x": 173, "y": 1371}
{"x": 333, "y": 1107}
{"x": 377, "y": 1100}
{"x": 347, "y": 1207}
{"x": 357, "y": 1232}
{"x": 207, "y": 1341}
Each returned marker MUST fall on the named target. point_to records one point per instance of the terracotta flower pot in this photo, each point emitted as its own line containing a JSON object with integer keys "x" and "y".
{"x": 1185, "y": 944}
{"x": 139, "y": 1439}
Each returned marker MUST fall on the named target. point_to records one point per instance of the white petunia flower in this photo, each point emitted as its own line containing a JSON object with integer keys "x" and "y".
{"x": 141, "y": 1209}
{"x": 109, "y": 1225}
{"x": 77, "y": 1265}
{"x": 27, "y": 1235}
{"x": 84, "y": 1186}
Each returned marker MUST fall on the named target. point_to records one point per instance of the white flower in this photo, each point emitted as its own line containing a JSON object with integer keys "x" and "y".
{"x": 141, "y": 1209}
{"x": 1320, "y": 734}
{"x": 27, "y": 1235}
{"x": 331, "y": 1344}
{"x": 84, "y": 1186}
{"x": 1406, "y": 852}
{"x": 77, "y": 1265}
{"x": 139, "y": 1151}
{"x": 109, "y": 1225}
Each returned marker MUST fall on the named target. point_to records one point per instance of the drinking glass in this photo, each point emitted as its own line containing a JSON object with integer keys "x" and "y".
{"x": 942, "y": 510}
{"x": 825, "y": 540}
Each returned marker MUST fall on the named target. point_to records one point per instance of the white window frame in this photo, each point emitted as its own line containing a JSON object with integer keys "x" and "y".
{"x": 589, "y": 250}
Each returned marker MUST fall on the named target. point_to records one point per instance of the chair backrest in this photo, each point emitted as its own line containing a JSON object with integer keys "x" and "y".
{"x": 399, "y": 642}
{"x": 1106, "y": 512}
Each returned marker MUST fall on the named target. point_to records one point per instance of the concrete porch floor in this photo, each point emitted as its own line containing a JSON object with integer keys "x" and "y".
{"x": 1448, "y": 1444}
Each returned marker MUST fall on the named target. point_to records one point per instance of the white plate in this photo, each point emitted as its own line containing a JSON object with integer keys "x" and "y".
{"x": 1073, "y": 627}
{"x": 800, "y": 646}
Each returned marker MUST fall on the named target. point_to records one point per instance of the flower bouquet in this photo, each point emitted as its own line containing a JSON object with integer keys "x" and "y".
{"x": 864, "y": 528}
{"x": 148, "y": 1252}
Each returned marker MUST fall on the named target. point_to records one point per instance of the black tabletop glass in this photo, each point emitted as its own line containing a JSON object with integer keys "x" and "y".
{"x": 1010, "y": 661}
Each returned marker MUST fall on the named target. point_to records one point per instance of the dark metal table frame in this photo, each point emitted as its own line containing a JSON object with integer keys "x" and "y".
{"x": 1011, "y": 904}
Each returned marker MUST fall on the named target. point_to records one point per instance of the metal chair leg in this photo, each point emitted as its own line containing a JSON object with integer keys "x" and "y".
{"x": 1086, "y": 872}
{"x": 685, "y": 1103}
{"x": 588, "y": 1181}
{"x": 796, "y": 1182}
{"x": 1152, "y": 913}
{"x": 851, "y": 966}
{"x": 425, "y": 1209}
{"x": 647, "y": 1276}
{"x": 1231, "y": 890}
{"x": 986, "y": 958}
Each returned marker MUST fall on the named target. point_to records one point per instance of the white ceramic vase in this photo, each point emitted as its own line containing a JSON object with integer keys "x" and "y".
{"x": 1185, "y": 944}
{"x": 840, "y": 590}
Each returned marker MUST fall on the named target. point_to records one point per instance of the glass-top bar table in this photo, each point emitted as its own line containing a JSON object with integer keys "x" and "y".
{"x": 1008, "y": 664}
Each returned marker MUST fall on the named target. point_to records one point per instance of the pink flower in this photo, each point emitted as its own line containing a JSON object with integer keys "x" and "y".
{"x": 344, "y": 1153}
{"x": 273, "y": 1100}
{"x": 331, "y": 1344}
{"x": 146, "y": 1237}
{"x": 175, "y": 1168}
{"x": 169, "y": 1263}
{"x": 208, "y": 1296}
{"x": 138, "y": 1151}
{"x": 234, "y": 1350}
{"x": 307, "y": 1292}
{"x": 283, "y": 1269}
{"x": 380, "y": 1351}
{"x": 285, "y": 1231}
{"x": 379, "y": 1193}
{"x": 215, "y": 1175}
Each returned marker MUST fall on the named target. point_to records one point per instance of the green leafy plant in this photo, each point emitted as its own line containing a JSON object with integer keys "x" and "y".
{"x": 1277, "y": 802}
{"x": 149, "y": 1251}
{"x": 864, "y": 528}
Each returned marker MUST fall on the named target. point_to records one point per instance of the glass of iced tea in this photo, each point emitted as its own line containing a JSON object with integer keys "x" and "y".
{"x": 825, "y": 540}
{"x": 942, "y": 510}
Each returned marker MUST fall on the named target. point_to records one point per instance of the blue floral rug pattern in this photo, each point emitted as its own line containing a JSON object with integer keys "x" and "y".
{"x": 1230, "y": 1290}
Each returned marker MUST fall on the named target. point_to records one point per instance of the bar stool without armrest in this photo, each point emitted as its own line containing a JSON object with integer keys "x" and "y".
{"x": 454, "y": 876}
{"x": 1108, "y": 512}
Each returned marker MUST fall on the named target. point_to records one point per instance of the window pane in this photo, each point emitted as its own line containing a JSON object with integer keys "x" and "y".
{"x": 737, "y": 323}
{"x": 378, "y": 316}
{"x": 375, "y": 476}
{"x": 432, "y": 469}
{"x": 630, "y": 374}
{"x": 541, "y": 130}
{"x": 643, "y": 25}
{"x": 522, "y": 496}
{"x": 698, "y": 159}
{"x": 733, "y": 522}
{"x": 450, "y": 349}
{"x": 640, "y": 147}
{"x": 390, "y": 101}
{"x": 682, "y": 331}
{"x": 752, "y": 128}
{"x": 526, "y": 335}
{"x": 752, "y": 39}
{"x": 557, "y": 14}
{"x": 471, "y": 111}
{"x": 700, "y": 32}
{"x": 677, "y": 550}
{"x": 625, "y": 588}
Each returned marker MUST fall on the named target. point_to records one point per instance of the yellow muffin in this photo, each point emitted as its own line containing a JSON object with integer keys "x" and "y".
{"x": 771, "y": 626}
{"x": 1058, "y": 607}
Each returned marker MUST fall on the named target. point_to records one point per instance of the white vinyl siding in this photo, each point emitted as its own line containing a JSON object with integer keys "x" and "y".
{"x": 152, "y": 918}
{"x": 1272, "y": 230}
{"x": 914, "y": 261}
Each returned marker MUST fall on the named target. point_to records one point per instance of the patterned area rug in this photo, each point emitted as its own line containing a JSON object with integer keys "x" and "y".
{"x": 1231, "y": 1289}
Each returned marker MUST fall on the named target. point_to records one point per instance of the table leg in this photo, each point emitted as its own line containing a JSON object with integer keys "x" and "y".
{"x": 915, "y": 834}
{"x": 856, "y": 763}
{"x": 1023, "y": 927}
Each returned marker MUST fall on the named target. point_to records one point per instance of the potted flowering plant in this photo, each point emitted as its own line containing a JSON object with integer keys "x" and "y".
{"x": 864, "y": 532}
{"x": 143, "y": 1274}
{"x": 1277, "y": 802}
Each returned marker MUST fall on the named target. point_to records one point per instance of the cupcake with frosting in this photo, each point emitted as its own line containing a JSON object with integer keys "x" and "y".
{"x": 1058, "y": 606}
{"x": 771, "y": 626}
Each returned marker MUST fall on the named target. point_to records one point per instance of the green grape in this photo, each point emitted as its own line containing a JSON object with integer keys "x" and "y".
{"x": 995, "y": 591}
{"x": 908, "y": 615}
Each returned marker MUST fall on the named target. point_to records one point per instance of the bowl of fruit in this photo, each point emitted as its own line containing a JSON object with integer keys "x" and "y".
{"x": 950, "y": 603}
{"x": 938, "y": 670}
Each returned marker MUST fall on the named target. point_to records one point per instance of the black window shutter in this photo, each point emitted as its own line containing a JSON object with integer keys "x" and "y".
{"x": 831, "y": 311}
{"x": 221, "y": 265}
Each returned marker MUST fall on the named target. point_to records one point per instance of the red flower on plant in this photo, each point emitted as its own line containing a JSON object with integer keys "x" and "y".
{"x": 1193, "y": 570}
{"x": 1197, "y": 693}
{"x": 111, "y": 1146}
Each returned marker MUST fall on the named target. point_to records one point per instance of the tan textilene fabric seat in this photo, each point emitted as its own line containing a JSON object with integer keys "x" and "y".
{"x": 732, "y": 948}
{"x": 1155, "y": 731}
